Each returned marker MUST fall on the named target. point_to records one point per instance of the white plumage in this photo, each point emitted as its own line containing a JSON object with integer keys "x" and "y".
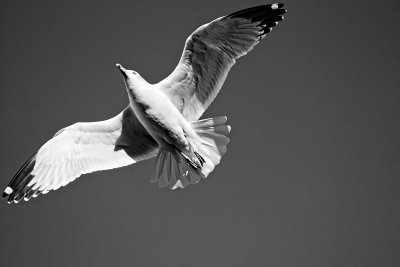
{"x": 162, "y": 119}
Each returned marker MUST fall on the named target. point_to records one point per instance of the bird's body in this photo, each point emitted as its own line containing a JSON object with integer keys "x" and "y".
{"x": 161, "y": 120}
{"x": 158, "y": 114}
{"x": 173, "y": 133}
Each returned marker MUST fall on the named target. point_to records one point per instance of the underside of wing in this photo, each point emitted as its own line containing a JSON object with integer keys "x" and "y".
{"x": 82, "y": 148}
{"x": 211, "y": 51}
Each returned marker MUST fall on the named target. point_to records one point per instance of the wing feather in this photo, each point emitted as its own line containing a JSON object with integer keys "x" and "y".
{"x": 211, "y": 51}
{"x": 82, "y": 148}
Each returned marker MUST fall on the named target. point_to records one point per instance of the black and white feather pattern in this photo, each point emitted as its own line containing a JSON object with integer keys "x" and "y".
{"x": 209, "y": 54}
{"x": 211, "y": 51}
{"x": 82, "y": 148}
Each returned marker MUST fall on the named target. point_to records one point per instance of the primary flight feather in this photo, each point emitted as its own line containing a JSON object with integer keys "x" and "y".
{"x": 161, "y": 120}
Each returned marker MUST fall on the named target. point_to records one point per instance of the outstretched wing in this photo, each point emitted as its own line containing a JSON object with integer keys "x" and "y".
{"x": 82, "y": 148}
{"x": 211, "y": 51}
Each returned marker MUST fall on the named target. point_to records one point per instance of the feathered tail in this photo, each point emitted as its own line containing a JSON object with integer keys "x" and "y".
{"x": 175, "y": 169}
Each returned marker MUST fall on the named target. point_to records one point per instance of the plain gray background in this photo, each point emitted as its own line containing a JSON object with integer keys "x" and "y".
{"x": 312, "y": 173}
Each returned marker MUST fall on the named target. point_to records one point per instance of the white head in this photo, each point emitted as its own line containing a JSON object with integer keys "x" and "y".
{"x": 132, "y": 79}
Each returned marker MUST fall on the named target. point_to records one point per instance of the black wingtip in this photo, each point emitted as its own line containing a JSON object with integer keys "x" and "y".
{"x": 7, "y": 192}
{"x": 275, "y": 6}
{"x": 18, "y": 187}
{"x": 254, "y": 12}
{"x": 266, "y": 16}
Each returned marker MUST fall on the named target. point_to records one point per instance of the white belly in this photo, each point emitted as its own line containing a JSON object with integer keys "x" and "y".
{"x": 159, "y": 117}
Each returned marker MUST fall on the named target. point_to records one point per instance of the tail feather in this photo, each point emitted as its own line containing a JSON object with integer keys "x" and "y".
{"x": 159, "y": 168}
{"x": 213, "y": 139}
{"x": 212, "y": 133}
{"x": 166, "y": 174}
{"x": 172, "y": 170}
{"x": 179, "y": 173}
{"x": 177, "y": 170}
{"x": 210, "y": 122}
{"x": 220, "y": 129}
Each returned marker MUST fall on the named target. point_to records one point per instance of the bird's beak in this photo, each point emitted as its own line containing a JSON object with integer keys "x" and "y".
{"x": 123, "y": 70}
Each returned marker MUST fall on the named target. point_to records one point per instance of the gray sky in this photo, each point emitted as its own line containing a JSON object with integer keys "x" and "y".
{"x": 311, "y": 177}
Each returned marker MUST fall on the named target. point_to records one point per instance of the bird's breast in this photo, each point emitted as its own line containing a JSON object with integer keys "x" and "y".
{"x": 156, "y": 113}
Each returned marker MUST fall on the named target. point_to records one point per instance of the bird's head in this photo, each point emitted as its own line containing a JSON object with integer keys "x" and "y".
{"x": 131, "y": 77}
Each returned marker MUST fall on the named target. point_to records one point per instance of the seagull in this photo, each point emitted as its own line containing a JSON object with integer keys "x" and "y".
{"x": 162, "y": 120}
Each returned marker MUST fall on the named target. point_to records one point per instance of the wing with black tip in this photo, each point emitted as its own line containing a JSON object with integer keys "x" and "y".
{"x": 211, "y": 51}
{"x": 82, "y": 148}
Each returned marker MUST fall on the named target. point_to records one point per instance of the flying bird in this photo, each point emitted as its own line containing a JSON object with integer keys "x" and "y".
{"x": 161, "y": 120}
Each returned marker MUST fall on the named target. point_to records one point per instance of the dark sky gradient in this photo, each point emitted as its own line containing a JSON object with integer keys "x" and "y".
{"x": 312, "y": 173}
